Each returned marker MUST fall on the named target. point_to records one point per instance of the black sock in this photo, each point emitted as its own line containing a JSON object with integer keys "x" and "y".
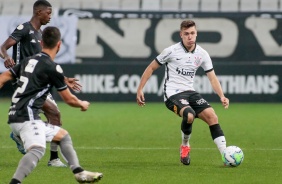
{"x": 216, "y": 131}
{"x": 53, "y": 155}
{"x": 77, "y": 170}
{"x": 186, "y": 127}
{"x": 15, "y": 181}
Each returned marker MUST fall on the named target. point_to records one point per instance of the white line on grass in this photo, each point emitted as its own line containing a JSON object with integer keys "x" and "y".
{"x": 150, "y": 148}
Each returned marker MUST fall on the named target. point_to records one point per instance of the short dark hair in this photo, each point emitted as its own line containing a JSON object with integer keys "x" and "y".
{"x": 50, "y": 37}
{"x": 187, "y": 24}
{"x": 39, "y": 3}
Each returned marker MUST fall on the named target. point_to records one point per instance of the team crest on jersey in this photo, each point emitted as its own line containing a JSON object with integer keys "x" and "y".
{"x": 197, "y": 61}
{"x": 59, "y": 69}
{"x": 184, "y": 102}
{"x": 20, "y": 27}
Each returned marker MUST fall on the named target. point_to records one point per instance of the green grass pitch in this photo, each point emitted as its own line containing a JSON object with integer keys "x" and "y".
{"x": 134, "y": 145}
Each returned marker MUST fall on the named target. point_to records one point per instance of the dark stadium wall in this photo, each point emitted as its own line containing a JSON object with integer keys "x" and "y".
{"x": 139, "y": 36}
{"x": 119, "y": 82}
{"x": 114, "y": 48}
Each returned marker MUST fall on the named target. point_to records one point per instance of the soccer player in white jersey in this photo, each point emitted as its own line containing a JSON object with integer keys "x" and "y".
{"x": 182, "y": 61}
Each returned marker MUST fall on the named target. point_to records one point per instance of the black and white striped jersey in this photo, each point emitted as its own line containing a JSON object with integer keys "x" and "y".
{"x": 37, "y": 75}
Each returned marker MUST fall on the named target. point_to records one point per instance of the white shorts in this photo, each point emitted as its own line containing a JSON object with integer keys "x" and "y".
{"x": 34, "y": 133}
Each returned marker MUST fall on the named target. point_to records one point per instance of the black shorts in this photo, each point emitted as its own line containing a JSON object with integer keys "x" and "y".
{"x": 187, "y": 98}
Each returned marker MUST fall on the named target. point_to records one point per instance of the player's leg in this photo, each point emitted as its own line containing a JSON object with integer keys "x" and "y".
{"x": 70, "y": 155}
{"x": 53, "y": 116}
{"x": 208, "y": 115}
{"x": 32, "y": 132}
{"x": 188, "y": 116}
{"x": 205, "y": 112}
{"x": 179, "y": 104}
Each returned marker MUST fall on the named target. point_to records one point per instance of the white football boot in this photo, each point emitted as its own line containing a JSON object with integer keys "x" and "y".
{"x": 88, "y": 177}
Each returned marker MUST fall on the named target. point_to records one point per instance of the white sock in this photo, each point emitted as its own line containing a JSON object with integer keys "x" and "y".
{"x": 185, "y": 139}
{"x": 220, "y": 143}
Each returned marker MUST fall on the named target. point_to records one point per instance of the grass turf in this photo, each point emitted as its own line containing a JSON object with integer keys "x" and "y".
{"x": 134, "y": 145}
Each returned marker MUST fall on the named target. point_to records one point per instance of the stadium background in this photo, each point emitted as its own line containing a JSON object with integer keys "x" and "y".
{"x": 108, "y": 44}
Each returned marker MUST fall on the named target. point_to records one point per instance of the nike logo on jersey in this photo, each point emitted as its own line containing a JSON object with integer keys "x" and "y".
{"x": 178, "y": 58}
{"x": 33, "y": 41}
{"x": 31, "y": 32}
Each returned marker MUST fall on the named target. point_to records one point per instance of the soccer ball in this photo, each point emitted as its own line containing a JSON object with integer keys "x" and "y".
{"x": 232, "y": 156}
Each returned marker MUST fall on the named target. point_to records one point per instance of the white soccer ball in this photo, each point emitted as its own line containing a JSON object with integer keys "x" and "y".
{"x": 232, "y": 156}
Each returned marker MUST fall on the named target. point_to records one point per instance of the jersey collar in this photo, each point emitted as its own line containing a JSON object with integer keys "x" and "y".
{"x": 45, "y": 54}
{"x": 185, "y": 49}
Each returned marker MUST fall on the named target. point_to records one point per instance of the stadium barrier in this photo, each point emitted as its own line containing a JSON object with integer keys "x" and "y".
{"x": 115, "y": 47}
{"x": 118, "y": 82}
{"x": 139, "y": 36}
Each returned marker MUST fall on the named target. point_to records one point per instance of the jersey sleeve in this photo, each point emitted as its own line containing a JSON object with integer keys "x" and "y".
{"x": 164, "y": 56}
{"x": 19, "y": 32}
{"x": 56, "y": 76}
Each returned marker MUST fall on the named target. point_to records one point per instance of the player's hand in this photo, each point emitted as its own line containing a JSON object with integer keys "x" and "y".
{"x": 140, "y": 98}
{"x": 225, "y": 102}
{"x": 73, "y": 84}
{"x": 84, "y": 105}
{"x": 9, "y": 62}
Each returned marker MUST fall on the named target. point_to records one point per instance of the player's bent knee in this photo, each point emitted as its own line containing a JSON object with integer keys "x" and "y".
{"x": 37, "y": 151}
{"x": 60, "y": 134}
{"x": 189, "y": 114}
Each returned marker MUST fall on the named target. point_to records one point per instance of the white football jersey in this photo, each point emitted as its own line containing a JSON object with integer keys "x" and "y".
{"x": 181, "y": 66}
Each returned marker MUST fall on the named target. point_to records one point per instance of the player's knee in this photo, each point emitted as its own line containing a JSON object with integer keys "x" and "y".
{"x": 66, "y": 140}
{"x": 60, "y": 135}
{"x": 37, "y": 151}
{"x": 189, "y": 114}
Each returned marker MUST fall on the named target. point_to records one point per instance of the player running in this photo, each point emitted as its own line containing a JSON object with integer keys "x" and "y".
{"x": 37, "y": 75}
{"x": 182, "y": 61}
{"x": 25, "y": 40}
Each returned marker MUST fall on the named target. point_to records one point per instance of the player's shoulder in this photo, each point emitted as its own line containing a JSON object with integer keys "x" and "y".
{"x": 22, "y": 29}
{"x": 44, "y": 64}
{"x": 175, "y": 47}
{"x": 24, "y": 26}
{"x": 43, "y": 60}
{"x": 200, "y": 50}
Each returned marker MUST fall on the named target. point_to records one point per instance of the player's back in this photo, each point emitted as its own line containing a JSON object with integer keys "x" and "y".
{"x": 33, "y": 86}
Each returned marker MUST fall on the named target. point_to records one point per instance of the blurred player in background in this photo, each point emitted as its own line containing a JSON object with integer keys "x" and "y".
{"x": 37, "y": 75}
{"x": 182, "y": 61}
{"x": 26, "y": 42}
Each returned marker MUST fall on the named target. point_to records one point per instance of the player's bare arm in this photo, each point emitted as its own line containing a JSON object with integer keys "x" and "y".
{"x": 72, "y": 100}
{"x": 73, "y": 84}
{"x": 9, "y": 62}
{"x": 145, "y": 77}
{"x": 217, "y": 88}
{"x": 4, "y": 77}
